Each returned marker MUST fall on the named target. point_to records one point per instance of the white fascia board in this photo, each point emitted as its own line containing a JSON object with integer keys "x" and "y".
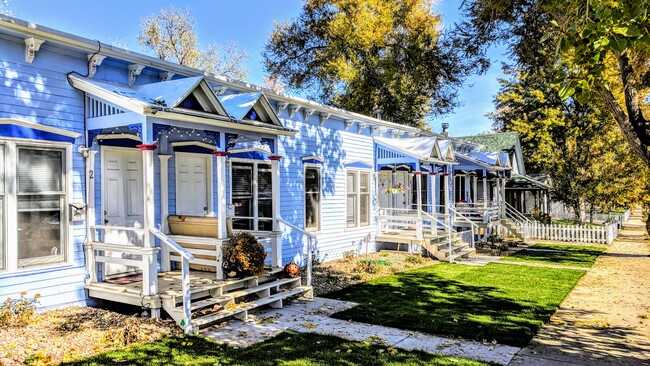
{"x": 36, "y": 126}
{"x": 220, "y": 123}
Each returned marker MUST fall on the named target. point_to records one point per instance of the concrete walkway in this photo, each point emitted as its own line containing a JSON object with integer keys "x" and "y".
{"x": 313, "y": 317}
{"x": 604, "y": 320}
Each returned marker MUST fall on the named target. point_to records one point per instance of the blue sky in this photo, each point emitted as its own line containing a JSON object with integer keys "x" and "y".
{"x": 247, "y": 23}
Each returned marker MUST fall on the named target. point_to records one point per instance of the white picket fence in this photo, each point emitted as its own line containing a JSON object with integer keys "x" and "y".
{"x": 604, "y": 234}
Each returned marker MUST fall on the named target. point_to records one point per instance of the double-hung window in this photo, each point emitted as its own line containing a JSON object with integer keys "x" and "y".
{"x": 40, "y": 202}
{"x": 312, "y": 197}
{"x": 3, "y": 260}
{"x": 358, "y": 198}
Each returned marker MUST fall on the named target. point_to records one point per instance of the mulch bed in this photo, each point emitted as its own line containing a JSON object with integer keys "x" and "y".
{"x": 338, "y": 274}
{"x": 69, "y": 333}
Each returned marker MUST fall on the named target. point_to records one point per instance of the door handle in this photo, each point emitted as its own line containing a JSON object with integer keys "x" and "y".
{"x": 205, "y": 209}
{"x": 105, "y": 221}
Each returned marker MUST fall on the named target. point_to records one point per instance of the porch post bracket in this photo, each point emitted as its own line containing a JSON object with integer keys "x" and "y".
{"x": 220, "y": 153}
{"x": 323, "y": 117}
{"x": 32, "y": 45}
{"x": 417, "y": 173}
{"x": 94, "y": 60}
{"x": 147, "y": 147}
{"x": 134, "y": 71}
{"x": 166, "y": 76}
{"x": 306, "y": 113}
{"x": 275, "y": 157}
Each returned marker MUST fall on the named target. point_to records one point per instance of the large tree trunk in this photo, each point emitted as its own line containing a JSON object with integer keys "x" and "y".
{"x": 635, "y": 128}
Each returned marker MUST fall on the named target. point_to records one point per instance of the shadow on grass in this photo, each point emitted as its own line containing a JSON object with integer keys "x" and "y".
{"x": 287, "y": 348}
{"x": 506, "y": 303}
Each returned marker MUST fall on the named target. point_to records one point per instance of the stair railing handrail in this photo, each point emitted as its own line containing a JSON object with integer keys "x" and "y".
{"x": 473, "y": 225}
{"x": 447, "y": 225}
{"x": 513, "y": 213}
{"x": 186, "y": 258}
{"x": 311, "y": 238}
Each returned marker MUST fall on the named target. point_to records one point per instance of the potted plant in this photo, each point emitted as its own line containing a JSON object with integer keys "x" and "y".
{"x": 396, "y": 189}
{"x": 243, "y": 255}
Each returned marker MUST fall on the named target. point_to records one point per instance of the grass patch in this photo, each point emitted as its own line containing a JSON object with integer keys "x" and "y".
{"x": 288, "y": 348}
{"x": 565, "y": 255}
{"x": 506, "y": 303}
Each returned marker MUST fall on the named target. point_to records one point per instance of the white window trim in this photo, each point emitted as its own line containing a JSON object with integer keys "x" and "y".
{"x": 11, "y": 205}
{"x": 320, "y": 192}
{"x": 357, "y": 172}
{"x": 210, "y": 181}
{"x": 255, "y": 163}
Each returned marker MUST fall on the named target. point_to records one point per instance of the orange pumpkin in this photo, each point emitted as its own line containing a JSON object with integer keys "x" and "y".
{"x": 292, "y": 270}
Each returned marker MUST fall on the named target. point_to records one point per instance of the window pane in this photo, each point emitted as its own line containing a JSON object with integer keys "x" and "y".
{"x": 364, "y": 182}
{"x": 312, "y": 210}
{"x": 351, "y": 210}
{"x": 40, "y": 171}
{"x": 312, "y": 198}
{"x": 312, "y": 180}
{"x": 39, "y": 227}
{"x": 351, "y": 182}
{"x": 365, "y": 209}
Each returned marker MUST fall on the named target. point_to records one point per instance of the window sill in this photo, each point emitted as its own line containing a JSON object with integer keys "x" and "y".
{"x": 32, "y": 270}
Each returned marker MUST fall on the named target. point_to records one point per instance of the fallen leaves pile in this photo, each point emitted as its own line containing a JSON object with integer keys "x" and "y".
{"x": 66, "y": 334}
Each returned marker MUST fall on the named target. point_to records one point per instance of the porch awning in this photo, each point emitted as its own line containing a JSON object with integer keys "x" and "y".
{"x": 414, "y": 152}
{"x": 524, "y": 181}
{"x": 187, "y": 100}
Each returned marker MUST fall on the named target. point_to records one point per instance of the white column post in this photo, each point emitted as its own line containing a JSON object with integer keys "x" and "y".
{"x": 503, "y": 197}
{"x": 434, "y": 193}
{"x": 91, "y": 265}
{"x": 276, "y": 251}
{"x": 222, "y": 211}
{"x": 448, "y": 178}
{"x": 165, "y": 265}
{"x": 474, "y": 189}
{"x": 485, "y": 191}
{"x": 418, "y": 205}
{"x": 149, "y": 260}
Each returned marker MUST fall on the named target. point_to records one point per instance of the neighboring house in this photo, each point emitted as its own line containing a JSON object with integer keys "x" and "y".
{"x": 523, "y": 192}
{"x": 122, "y": 172}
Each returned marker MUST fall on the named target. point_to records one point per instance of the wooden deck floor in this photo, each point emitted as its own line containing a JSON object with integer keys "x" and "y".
{"x": 170, "y": 283}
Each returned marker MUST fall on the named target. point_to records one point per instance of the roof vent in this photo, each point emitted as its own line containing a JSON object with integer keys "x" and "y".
{"x": 445, "y": 129}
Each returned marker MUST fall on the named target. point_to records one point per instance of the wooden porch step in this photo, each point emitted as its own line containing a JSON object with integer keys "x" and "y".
{"x": 241, "y": 311}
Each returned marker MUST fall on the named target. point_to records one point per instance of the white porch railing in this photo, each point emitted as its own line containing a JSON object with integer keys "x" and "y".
{"x": 400, "y": 219}
{"x": 478, "y": 211}
{"x": 515, "y": 216}
{"x": 311, "y": 240}
{"x": 474, "y": 228}
{"x": 148, "y": 263}
{"x": 186, "y": 258}
{"x": 604, "y": 234}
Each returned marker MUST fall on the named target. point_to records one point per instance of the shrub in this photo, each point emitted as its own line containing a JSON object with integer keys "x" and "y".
{"x": 244, "y": 255}
{"x": 18, "y": 312}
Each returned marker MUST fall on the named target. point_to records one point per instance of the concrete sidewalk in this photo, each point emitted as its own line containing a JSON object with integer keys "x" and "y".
{"x": 313, "y": 317}
{"x": 604, "y": 320}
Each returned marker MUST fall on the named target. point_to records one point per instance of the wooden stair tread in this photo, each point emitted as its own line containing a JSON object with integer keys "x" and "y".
{"x": 214, "y": 317}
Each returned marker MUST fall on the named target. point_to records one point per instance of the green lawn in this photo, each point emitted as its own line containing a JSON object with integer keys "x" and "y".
{"x": 288, "y": 348}
{"x": 506, "y": 303}
{"x": 569, "y": 255}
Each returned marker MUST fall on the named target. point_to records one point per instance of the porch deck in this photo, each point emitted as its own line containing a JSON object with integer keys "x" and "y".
{"x": 211, "y": 299}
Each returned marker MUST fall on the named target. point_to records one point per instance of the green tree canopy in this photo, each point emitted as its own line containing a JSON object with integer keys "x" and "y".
{"x": 170, "y": 35}
{"x": 368, "y": 55}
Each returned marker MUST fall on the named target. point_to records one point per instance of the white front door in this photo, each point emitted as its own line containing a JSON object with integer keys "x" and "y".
{"x": 401, "y": 199}
{"x": 122, "y": 199}
{"x": 384, "y": 181}
{"x": 192, "y": 185}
